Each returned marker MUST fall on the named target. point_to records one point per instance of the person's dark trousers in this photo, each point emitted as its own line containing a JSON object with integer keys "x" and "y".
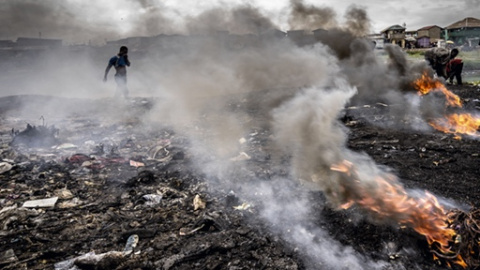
{"x": 457, "y": 73}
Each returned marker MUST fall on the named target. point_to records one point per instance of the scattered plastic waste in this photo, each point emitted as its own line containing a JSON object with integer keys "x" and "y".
{"x": 5, "y": 167}
{"x": 132, "y": 242}
{"x": 136, "y": 164}
{"x": 187, "y": 231}
{"x": 198, "y": 203}
{"x": 50, "y": 202}
{"x": 105, "y": 260}
{"x": 152, "y": 199}
{"x": 90, "y": 260}
{"x": 243, "y": 206}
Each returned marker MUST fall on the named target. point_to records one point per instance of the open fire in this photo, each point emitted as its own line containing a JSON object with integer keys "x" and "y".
{"x": 388, "y": 200}
{"x": 453, "y": 123}
{"x": 452, "y": 234}
{"x": 458, "y": 123}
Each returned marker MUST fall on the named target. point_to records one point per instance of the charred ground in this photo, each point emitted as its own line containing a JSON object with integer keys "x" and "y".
{"x": 102, "y": 194}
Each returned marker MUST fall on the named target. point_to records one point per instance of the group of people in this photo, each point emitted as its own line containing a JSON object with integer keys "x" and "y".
{"x": 445, "y": 64}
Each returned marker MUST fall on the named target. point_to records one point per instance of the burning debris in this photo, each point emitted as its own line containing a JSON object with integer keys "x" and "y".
{"x": 363, "y": 184}
{"x": 425, "y": 84}
{"x": 99, "y": 199}
{"x": 389, "y": 201}
{"x": 457, "y": 123}
{"x": 452, "y": 235}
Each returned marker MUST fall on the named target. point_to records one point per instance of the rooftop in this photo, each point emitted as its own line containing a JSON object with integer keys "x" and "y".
{"x": 467, "y": 22}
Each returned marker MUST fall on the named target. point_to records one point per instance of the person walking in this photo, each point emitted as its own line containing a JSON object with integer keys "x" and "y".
{"x": 120, "y": 62}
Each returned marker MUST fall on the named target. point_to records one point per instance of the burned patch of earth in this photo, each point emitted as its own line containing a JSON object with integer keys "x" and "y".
{"x": 114, "y": 179}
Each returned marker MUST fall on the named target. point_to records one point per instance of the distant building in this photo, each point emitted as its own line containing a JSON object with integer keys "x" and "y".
{"x": 434, "y": 32}
{"x": 428, "y": 35}
{"x": 6, "y": 43}
{"x": 465, "y": 32}
{"x": 423, "y": 42}
{"x": 40, "y": 43}
{"x": 395, "y": 34}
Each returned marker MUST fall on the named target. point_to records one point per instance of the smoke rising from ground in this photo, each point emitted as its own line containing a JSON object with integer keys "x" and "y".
{"x": 307, "y": 127}
{"x": 203, "y": 85}
{"x": 288, "y": 209}
{"x": 219, "y": 90}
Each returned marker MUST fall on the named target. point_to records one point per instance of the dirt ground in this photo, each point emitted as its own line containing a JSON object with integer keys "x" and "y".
{"x": 117, "y": 179}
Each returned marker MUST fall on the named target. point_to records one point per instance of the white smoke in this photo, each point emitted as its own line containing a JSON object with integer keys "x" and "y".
{"x": 307, "y": 127}
{"x": 288, "y": 211}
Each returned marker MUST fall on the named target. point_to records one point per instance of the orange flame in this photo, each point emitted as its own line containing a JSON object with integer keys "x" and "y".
{"x": 426, "y": 85}
{"x": 387, "y": 199}
{"x": 458, "y": 124}
{"x": 462, "y": 123}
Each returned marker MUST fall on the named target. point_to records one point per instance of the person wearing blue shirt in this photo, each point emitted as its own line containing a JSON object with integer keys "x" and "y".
{"x": 120, "y": 62}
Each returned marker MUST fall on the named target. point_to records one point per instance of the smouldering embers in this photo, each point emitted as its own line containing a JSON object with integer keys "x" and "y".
{"x": 388, "y": 200}
{"x": 453, "y": 123}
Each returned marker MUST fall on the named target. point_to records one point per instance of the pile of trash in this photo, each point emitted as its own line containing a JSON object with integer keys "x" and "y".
{"x": 123, "y": 200}
{"x": 97, "y": 194}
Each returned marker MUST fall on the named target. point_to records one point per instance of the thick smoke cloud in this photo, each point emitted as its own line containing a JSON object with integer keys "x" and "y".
{"x": 312, "y": 134}
{"x": 253, "y": 77}
{"x": 311, "y": 17}
{"x": 78, "y": 22}
{"x": 153, "y": 19}
{"x": 357, "y": 21}
{"x": 241, "y": 20}
{"x": 21, "y": 17}
{"x": 219, "y": 88}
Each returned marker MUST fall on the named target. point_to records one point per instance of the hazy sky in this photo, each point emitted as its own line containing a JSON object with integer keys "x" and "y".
{"x": 78, "y": 21}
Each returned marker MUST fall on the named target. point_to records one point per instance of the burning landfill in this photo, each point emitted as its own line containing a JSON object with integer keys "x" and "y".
{"x": 267, "y": 156}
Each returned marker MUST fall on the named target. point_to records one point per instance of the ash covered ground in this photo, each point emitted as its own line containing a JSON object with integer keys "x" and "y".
{"x": 191, "y": 208}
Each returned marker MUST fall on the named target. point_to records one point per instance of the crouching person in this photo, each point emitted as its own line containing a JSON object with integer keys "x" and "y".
{"x": 445, "y": 64}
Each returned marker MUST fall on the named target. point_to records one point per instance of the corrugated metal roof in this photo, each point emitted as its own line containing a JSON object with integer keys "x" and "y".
{"x": 467, "y": 22}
